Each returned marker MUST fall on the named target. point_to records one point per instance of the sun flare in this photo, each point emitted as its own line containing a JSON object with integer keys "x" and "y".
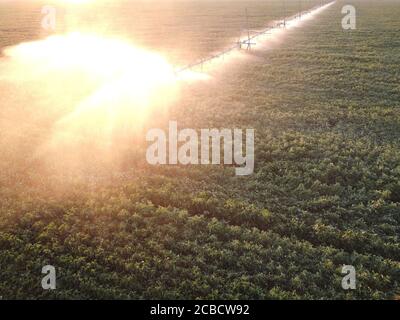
{"x": 98, "y": 93}
{"x": 122, "y": 82}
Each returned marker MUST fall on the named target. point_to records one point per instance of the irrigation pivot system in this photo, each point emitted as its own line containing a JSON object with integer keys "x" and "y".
{"x": 252, "y": 35}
